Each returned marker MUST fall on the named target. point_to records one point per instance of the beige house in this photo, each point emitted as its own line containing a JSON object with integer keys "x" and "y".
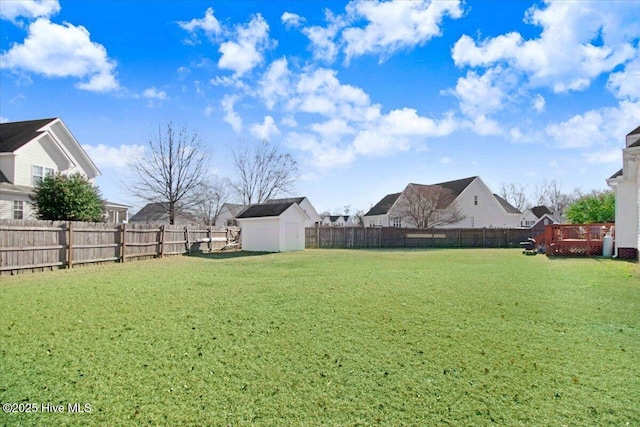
{"x": 31, "y": 150}
{"x": 479, "y": 206}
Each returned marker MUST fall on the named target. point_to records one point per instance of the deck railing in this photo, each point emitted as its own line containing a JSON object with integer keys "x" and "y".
{"x": 575, "y": 239}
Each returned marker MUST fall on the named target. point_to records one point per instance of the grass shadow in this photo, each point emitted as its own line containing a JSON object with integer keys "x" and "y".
{"x": 227, "y": 254}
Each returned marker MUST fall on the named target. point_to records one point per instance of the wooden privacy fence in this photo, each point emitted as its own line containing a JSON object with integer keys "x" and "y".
{"x": 391, "y": 237}
{"x": 37, "y": 245}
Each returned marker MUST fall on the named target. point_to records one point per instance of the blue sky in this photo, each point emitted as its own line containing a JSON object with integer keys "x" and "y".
{"x": 367, "y": 96}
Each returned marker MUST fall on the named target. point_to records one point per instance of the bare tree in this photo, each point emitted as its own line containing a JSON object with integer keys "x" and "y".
{"x": 173, "y": 171}
{"x": 428, "y": 206}
{"x": 515, "y": 194}
{"x": 212, "y": 195}
{"x": 550, "y": 194}
{"x": 263, "y": 173}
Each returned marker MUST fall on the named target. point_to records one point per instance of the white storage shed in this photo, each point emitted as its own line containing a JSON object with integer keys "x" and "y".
{"x": 273, "y": 227}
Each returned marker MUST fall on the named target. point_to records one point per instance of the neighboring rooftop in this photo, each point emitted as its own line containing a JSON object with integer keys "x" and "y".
{"x": 506, "y": 205}
{"x": 383, "y": 206}
{"x": 14, "y": 135}
{"x": 540, "y": 211}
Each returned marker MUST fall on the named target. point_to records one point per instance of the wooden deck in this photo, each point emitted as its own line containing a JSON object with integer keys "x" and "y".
{"x": 575, "y": 240}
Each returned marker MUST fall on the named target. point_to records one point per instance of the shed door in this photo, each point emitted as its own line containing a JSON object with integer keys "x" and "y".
{"x": 290, "y": 236}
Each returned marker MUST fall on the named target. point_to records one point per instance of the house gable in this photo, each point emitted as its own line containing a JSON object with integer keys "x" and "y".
{"x": 481, "y": 207}
{"x": 47, "y": 143}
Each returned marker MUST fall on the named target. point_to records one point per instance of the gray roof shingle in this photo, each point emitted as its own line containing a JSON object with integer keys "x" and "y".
{"x": 383, "y": 206}
{"x": 265, "y": 210}
{"x": 506, "y": 205}
{"x": 14, "y": 135}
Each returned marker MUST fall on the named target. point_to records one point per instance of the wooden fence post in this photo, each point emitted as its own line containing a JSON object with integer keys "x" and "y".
{"x": 70, "y": 245}
{"x": 210, "y": 236}
{"x": 365, "y": 237}
{"x": 186, "y": 238}
{"x": 123, "y": 243}
{"x": 161, "y": 243}
{"x": 484, "y": 241}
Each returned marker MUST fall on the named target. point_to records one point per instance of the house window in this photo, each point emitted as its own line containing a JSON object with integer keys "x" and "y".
{"x": 18, "y": 209}
{"x": 473, "y": 222}
{"x": 396, "y": 222}
{"x": 39, "y": 172}
{"x": 475, "y": 200}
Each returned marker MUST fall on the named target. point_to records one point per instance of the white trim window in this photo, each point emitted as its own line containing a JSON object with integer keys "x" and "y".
{"x": 18, "y": 209}
{"x": 39, "y": 172}
{"x": 396, "y": 222}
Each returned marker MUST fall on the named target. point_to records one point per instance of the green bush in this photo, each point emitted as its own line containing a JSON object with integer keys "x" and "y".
{"x": 68, "y": 198}
{"x": 594, "y": 208}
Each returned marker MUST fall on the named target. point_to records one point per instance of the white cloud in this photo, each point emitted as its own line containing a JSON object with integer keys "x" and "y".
{"x": 516, "y": 134}
{"x": 63, "y": 51}
{"x": 625, "y": 84}
{"x": 291, "y": 20}
{"x": 275, "y": 83}
{"x": 106, "y": 157}
{"x": 578, "y": 42}
{"x": 183, "y": 72}
{"x": 153, "y": 93}
{"x": 613, "y": 155}
{"x": 230, "y": 115}
{"x": 266, "y": 130}
{"x": 340, "y": 121}
{"x": 323, "y": 44}
{"x": 373, "y": 27}
{"x": 538, "y": 103}
{"x": 480, "y": 95}
{"x": 209, "y": 25}
{"x": 4, "y": 119}
{"x": 395, "y": 25}
{"x": 246, "y": 51}
{"x": 226, "y": 81}
{"x": 597, "y": 131}
{"x": 323, "y": 154}
{"x": 30, "y": 9}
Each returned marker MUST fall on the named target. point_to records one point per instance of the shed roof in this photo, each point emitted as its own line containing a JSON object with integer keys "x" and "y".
{"x": 14, "y": 135}
{"x": 263, "y": 210}
{"x": 297, "y": 200}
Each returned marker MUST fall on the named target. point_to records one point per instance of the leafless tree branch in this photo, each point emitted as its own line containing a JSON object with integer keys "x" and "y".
{"x": 173, "y": 171}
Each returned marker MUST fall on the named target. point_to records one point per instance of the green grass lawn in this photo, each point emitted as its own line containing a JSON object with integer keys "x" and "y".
{"x": 326, "y": 337}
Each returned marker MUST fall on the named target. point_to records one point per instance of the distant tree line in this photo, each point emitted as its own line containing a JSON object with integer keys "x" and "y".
{"x": 576, "y": 206}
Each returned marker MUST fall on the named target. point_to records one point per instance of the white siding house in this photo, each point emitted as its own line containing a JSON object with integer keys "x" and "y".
{"x": 228, "y": 215}
{"x": 273, "y": 227}
{"x": 626, "y": 186}
{"x": 480, "y": 207}
{"x": 31, "y": 150}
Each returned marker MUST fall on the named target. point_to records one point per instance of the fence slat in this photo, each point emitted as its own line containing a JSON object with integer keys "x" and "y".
{"x": 33, "y": 245}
